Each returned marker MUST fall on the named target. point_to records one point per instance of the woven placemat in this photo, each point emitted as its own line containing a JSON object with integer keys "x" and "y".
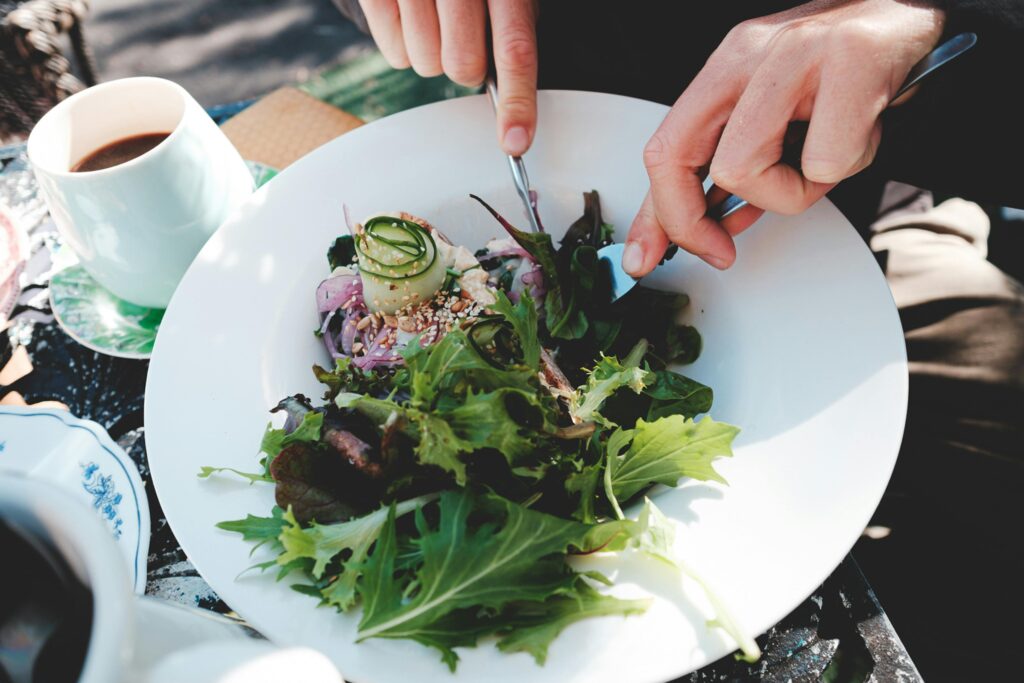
{"x": 286, "y": 125}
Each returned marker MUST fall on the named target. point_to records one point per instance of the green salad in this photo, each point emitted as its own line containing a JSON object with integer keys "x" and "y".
{"x": 488, "y": 416}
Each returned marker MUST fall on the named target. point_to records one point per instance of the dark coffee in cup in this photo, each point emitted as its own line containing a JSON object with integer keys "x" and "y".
{"x": 118, "y": 152}
{"x": 45, "y": 612}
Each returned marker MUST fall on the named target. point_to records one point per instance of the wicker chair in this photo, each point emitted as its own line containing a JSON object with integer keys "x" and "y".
{"x": 34, "y": 74}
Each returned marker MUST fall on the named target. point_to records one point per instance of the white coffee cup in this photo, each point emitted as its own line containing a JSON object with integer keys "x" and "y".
{"x": 137, "y": 226}
{"x": 139, "y": 639}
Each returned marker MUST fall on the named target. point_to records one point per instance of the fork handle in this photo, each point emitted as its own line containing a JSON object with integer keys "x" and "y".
{"x": 518, "y": 168}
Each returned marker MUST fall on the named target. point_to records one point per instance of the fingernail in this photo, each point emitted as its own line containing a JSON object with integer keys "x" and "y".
{"x": 716, "y": 261}
{"x": 516, "y": 141}
{"x": 632, "y": 258}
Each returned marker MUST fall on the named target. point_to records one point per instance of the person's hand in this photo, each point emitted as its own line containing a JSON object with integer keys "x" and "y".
{"x": 450, "y": 37}
{"x": 835, "y": 63}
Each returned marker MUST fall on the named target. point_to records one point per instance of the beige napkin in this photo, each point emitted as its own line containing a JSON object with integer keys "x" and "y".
{"x": 286, "y": 125}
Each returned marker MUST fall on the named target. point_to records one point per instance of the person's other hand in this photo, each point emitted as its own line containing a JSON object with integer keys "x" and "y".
{"x": 450, "y": 37}
{"x": 835, "y": 63}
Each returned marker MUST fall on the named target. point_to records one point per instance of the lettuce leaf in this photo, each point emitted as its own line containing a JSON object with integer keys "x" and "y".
{"x": 205, "y": 472}
{"x": 607, "y": 377}
{"x": 451, "y": 367}
{"x": 666, "y": 450}
{"x": 585, "y": 483}
{"x": 497, "y": 420}
{"x": 458, "y": 402}
{"x": 276, "y": 440}
{"x": 323, "y": 543}
{"x": 517, "y": 554}
{"x": 563, "y": 316}
{"x": 347, "y": 377}
{"x": 523, "y": 319}
{"x": 587, "y": 230}
{"x": 534, "y": 626}
{"x": 258, "y": 530}
{"x": 436, "y": 443}
{"x": 311, "y": 484}
{"x": 675, "y": 394}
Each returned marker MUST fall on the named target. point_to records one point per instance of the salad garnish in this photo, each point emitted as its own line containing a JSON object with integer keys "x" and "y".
{"x": 488, "y": 416}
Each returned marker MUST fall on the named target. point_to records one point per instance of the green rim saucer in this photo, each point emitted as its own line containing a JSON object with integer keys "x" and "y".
{"x": 97, "y": 319}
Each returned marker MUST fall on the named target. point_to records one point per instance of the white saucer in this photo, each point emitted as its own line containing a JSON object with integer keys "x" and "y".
{"x": 80, "y": 457}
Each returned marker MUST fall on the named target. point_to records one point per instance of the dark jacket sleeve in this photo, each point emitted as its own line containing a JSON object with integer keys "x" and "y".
{"x": 963, "y": 132}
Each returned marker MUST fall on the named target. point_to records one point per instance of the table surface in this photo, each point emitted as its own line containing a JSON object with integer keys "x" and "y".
{"x": 839, "y": 634}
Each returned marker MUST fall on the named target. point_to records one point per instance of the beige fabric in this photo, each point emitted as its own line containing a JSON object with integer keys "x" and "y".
{"x": 950, "y": 567}
{"x": 966, "y": 315}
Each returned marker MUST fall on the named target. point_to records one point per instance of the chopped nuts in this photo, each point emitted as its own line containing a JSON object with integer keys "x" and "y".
{"x": 429, "y": 317}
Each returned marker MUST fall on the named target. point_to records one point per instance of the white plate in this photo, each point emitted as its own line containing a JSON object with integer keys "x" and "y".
{"x": 80, "y": 457}
{"x": 802, "y": 345}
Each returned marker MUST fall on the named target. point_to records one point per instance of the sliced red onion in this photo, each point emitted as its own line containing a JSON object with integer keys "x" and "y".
{"x": 534, "y": 280}
{"x": 348, "y": 333}
{"x": 332, "y": 347}
{"x": 368, "y": 361}
{"x": 382, "y": 334}
{"x": 335, "y": 291}
{"x": 326, "y": 322}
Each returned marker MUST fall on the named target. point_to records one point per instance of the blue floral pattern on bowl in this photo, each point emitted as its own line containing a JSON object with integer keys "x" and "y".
{"x": 79, "y": 456}
{"x": 106, "y": 499}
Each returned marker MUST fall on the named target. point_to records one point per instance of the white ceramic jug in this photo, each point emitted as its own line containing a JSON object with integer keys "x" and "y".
{"x": 136, "y": 639}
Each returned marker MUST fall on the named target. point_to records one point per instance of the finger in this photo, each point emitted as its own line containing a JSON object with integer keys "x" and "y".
{"x": 675, "y": 157}
{"x": 747, "y": 161}
{"x": 740, "y": 219}
{"x": 514, "y": 32}
{"x": 841, "y": 139}
{"x": 463, "y": 40}
{"x": 422, "y": 35}
{"x": 386, "y": 29}
{"x": 646, "y": 242}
